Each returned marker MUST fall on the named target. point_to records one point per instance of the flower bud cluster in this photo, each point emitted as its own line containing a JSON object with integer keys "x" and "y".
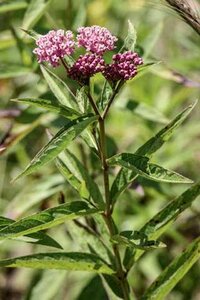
{"x": 96, "y": 40}
{"x": 124, "y": 66}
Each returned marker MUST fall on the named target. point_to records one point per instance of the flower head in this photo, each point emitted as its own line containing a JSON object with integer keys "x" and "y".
{"x": 96, "y": 39}
{"x": 124, "y": 66}
{"x": 54, "y": 45}
{"x": 85, "y": 67}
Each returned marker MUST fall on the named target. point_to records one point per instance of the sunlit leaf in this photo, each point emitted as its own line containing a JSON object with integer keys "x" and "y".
{"x": 73, "y": 261}
{"x": 50, "y": 105}
{"x": 143, "y": 167}
{"x": 46, "y": 219}
{"x": 58, "y": 143}
{"x": 173, "y": 273}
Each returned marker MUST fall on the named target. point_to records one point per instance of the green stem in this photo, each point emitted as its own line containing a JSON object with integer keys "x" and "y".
{"x": 121, "y": 274}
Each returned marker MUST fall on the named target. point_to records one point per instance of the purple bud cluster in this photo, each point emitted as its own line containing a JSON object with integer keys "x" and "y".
{"x": 54, "y": 45}
{"x": 96, "y": 39}
{"x": 86, "y": 66}
{"x": 124, "y": 66}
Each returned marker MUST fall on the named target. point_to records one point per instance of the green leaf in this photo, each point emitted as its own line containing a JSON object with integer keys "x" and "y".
{"x": 159, "y": 224}
{"x": 34, "y": 12}
{"x": 57, "y": 144}
{"x": 173, "y": 273}
{"x": 90, "y": 290}
{"x": 130, "y": 239}
{"x": 126, "y": 176}
{"x": 50, "y": 105}
{"x": 10, "y": 71}
{"x": 77, "y": 175}
{"x": 122, "y": 180}
{"x": 130, "y": 40}
{"x": 156, "y": 142}
{"x": 47, "y": 287}
{"x": 105, "y": 95}
{"x": 145, "y": 111}
{"x": 142, "y": 166}
{"x": 59, "y": 88}
{"x": 14, "y": 5}
{"x": 48, "y": 218}
{"x": 35, "y": 238}
{"x": 74, "y": 261}
{"x": 33, "y": 34}
{"x": 152, "y": 39}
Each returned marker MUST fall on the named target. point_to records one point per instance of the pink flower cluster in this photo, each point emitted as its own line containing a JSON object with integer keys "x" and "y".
{"x": 86, "y": 66}
{"x": 124, "y": 66}
{"x": 96, "y": 39}
{"x": 54, "y": 45}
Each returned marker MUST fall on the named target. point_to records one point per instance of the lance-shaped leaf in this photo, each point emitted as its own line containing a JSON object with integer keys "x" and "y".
{"x": 143, "y": 167}
{"x": 50, "y": 105}
{"x": 173, "y": 273}
{"x": 76, "y": 174}
{"x": 58, "y": 143}
{"x": 136, "y": 240}
{"x": 74, "y": 261}
{"x": 39, "y": 237}
{"x": 34, "y": 12}
{"x": 156, "y": 142}
{"x": 159, "y": 224}
{"x": 125, "y": 176}
{"x": 10, "y": 71}
{"x": 59, "y": 88}
{"x": 46, "y": 219}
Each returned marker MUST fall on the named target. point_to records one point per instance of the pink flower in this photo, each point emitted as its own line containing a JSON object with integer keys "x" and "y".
{"x": 86, "y": 66}
{"x": 54, "y": 45}
{"x": 96, "y": 39}
{"x": 124, "y": 66}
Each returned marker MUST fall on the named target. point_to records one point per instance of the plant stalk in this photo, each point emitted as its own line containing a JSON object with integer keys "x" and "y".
{"x": 121, "y": 274}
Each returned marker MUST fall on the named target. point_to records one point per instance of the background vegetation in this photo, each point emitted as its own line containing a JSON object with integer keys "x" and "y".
{"x": 145, "y": 104}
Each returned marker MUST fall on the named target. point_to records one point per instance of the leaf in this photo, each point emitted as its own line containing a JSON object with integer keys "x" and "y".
{"x": 120, "y": 183}
{"x": 34, "y": 12}
{"x": 159, "y": 224}
{"x": 57, "y": 144}
{"x": 105, "y": 95}
{"x": 145, "y": 111}
{"x": 156, "y": 142}
{"x": 126, "y": 176}
{"x": 12, "y": 6}
{"x": 77, "y": 175}
{"x": 36, "y": 191}
{"x": 47, "y": 287}
{"x": 142, "y": 166}
{"x": 173, "y": 273}
{"x": 130, "y": 40}
{"x": 59, "y": 88}
{"x": 50, "y": 105}
{"x": 36, "y": 238}
{"x": 46, "y": 219}
{"x": 152, "y": 39}
{"x": 90, "y": 290}
{"x": 33, "y": 34}
{"x": 10, "y": 71}
{"x": 73, "y": 261}
{"x": 127, "y": 238}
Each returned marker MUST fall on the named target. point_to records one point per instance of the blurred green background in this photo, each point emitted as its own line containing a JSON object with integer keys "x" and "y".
{"x": 141, "y": 109}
